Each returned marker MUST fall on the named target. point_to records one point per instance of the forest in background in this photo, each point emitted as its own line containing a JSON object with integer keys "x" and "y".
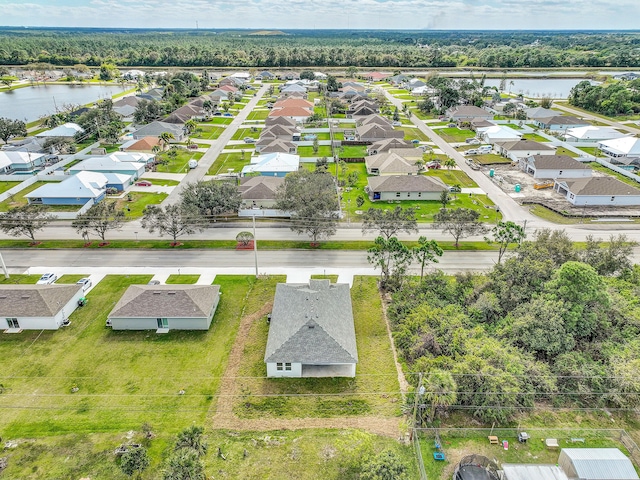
{"x": 321, "y": 48}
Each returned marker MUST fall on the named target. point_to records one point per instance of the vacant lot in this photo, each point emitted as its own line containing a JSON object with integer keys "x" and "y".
{"x": 374, "y": 390}
{"x": 134, "y": 203}
{"x": 229, "y": 161}
{"x": 176, "y": 162}
{"x": 453, "y": 135}
{"x": 207, "y": 132}
{"x": 453, "y": 177}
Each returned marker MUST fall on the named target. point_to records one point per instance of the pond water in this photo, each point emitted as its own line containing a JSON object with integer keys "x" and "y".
{"x": 536, "y": 88}
{"x": 31, "y": 103}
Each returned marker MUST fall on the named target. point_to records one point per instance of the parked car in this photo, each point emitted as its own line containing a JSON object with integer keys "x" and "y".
{"x": 85, "y": 282}
{"x": 472, "y": 141}
{"x": 415, "y": 141}
{"x": 249, "y": 140}
{"x": 154, "y": 282}
{"x": 484, "y": 149}
{"x": 452, "y": 125}
{"x": 455, "y": 189}
{"x": 227, "y": 114}
{"x": 217, "y": 114}
{"x": 192, "y": 146}
{"x": 433, "y": 165}
{"x": 396, "y": 124}
{"x": 472, "y": 151}
{"x": 143, "y": 183}
{"x": 47, "y": 279}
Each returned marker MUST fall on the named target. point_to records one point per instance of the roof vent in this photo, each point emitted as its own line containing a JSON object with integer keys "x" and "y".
{"x": 3, "y": 296}
{"x": 25, "y": 296}
{"x": 157, "y": 292}
{"x": 171, "y": 293}
{"x": 312, "y": 326}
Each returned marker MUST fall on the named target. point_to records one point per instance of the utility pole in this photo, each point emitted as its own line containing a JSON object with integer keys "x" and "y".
{"x": 4, "y": 267}
{"x": 255, "y": 245}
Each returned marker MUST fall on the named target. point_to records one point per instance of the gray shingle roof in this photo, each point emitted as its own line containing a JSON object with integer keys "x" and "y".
{"x": 167, "y": 301}
{"x": 520, "y": 145}
{"x": 597, "y": 464}
{"x": 562, "y": 120}
{"x": 392, "y": 163}
{"x": 564, "y": 162}
{"x": 312, "y": 324}
{"x": 599, "y": 186}
{"x": 389, "y": 143}
{"x": 406, "y": 183}
{"x": 154, "y": 129}
{"x": 35, "y": 300}
{"x": 260, "y": 188}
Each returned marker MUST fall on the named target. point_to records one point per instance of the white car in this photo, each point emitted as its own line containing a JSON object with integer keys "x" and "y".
{"x": 47, "y": 279}
{"x": 85, "y": 282}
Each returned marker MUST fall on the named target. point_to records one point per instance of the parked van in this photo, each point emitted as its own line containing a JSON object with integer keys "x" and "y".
{"x": 193, "y": 164}
{"x": 484, "y": 149}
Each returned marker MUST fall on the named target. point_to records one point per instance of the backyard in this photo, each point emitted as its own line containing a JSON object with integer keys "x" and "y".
{"x": 19, "y": 199}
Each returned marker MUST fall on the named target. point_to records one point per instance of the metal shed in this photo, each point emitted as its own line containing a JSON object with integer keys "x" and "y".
{"x": 532, "y": 472}
{"x": 596, "y": 464}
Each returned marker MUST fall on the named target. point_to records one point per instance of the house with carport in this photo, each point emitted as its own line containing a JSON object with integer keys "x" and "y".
{"x": 165, "y": 307}
{"x": 37, "y": 307}
{"x": 311, "y": 331}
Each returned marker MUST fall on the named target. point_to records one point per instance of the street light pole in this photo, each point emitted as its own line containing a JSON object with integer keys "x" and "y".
{"x": 4, "y": 267}
{"x": 255, "y": 245}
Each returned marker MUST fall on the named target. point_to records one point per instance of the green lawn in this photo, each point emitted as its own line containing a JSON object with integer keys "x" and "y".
{"x": 619, "y": 176}
{"x": 19, "y": 280}
{"x": 182, "y": 279}
{"x": 547, "y": 214}
{"x": 179, "y": 163}
{"x": 595, "y": 151}
{"x": 352, "y": 151}
{"x": 19, "y": 198}
{"x": 139, "y": 200}
{"x": 226, "y": 161}
{"x": 375, "y": 375}
{"x": 489, "y": 159}
{"x": 207, "y": 132}
{"x": 162, "y": 182}
{"x": 412, "y": 133}
{"x": 323, "y": 151}
{"x": 333, "y": 278}
{"x": 217, "y": 121}
{"x": 535, "y": 137}
{"x": 454, "y": 134}
{"x": 67, "y": 278}
{"x": 564, "y": 151}
{"x": 453, "y": 177}
{"x": 258, "y": 115}
{"x": 241, "y": 133}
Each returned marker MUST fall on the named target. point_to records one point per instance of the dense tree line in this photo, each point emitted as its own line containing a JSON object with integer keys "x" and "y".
{"x": 620, "y": 98}
{"x": 551, "y": 325}
{"x": 328, "y": 48}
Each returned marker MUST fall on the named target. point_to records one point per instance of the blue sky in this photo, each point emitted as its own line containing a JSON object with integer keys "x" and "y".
{"x": 359, "y": 14}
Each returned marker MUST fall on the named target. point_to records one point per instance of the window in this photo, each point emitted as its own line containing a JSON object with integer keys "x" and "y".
{"x": 287, "y": 367}
{"x": 279, "y": 366}
{"x": 398, "y": 194}
{"x": 613, "y": 198}
{"x": 408, "y": 194}
{"x": 419, "y": 194}
{"x": 13, "y": 323}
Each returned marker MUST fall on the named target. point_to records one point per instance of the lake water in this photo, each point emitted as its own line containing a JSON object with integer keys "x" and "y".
{"x": 31, "y": 103}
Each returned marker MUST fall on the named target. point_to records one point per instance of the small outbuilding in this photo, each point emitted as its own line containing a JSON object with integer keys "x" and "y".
{"x": 596, "y": 464}
{"x": 532, "y": 472}
{"x": 165, "y": 307}
{"x": 37, "y": 307}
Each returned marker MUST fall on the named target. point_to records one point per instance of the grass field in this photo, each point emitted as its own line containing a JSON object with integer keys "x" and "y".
{"x": 4, "y": 186}
{"x": 226, "y": 161}
{"x": 323, "y": 151}
{"x": 564, "y": 151}
{"x": 182, "y": 279}
{"x": 19, "y": 199}
{"x": 454, "y": 134}
{"x": 217, "y": 121}
{"x": 412, "y": 133}
{"x": 489, "y": 159}
{"x": 258, "y": 115}
{"x": 179, "y": 163}
{"x": 375, "y": 370}
{"x": 162, "y": 182}
{"x": 535, "y": 137}
{"x": 207, "y": 132}
{"x": 453, "y": 177}
{"x": 139, "y": 200}
{"x": 595, "y": 151}
{"x": 241, "y": 133}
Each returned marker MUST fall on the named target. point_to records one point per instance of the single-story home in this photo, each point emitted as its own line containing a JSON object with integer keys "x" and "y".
{"x": 375, "y": 76}
{"x": 284, "y": 121}
{"x": 265, "y": 75}
{"x": 133, "y": 74}
{"x": 373, "y": 120}
{"x": 165, "y": 307}
{"x": 126, "y": 112}
{"x": 387, "y": 144}
{"x": 560, "y": 122}
{"x": 523, "y": 148}
{"x": 361, "y": 111}
{"x": 598, "y": 191}
{"x": 28, "y": 144}
{"x": 283, "y": 132}
{"x": 37, "y": 307}
{"x": 468, "y": 112}
{"x": 388, "y": 163}
{"x": 311, "y": 331}
{"x": 299, "y": 114}
{"x": 155, "y": 129}
{"x": 539, "y": 112}
{"x": 109, "y": 165}
{"x": 278, "y": 146}
{"x": 375, "y": 133}
{"x": 20, "y": 162}
{"x": 144, "y": 145}
{"x": 273, "y": 164}
{"x": 259, "y": 192}
{"x": 592, "y": 134}
{"x": 153, "y": 94}
{"x": 405, "y": 187}
{"x": 498, "y": 133}
{"x": 477, "y": 123}
{"x": 76, "y": 190}
{"x": 596, "y": 464}
{"x": 66, "y": 130}
{"x": 554, "y": 166}
{"x": 621, "y": 150}
{"x": 293, "y": 88}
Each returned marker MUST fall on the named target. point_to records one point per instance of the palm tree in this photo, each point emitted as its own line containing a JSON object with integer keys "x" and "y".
{"x": 440, "y": 391}
{"x": 449, "y": 163}
{"x": 165, "y": 138}
{"x": 191, "y": 438}
{"x": 190, "y": 126}
{"x": 208, "y": 107}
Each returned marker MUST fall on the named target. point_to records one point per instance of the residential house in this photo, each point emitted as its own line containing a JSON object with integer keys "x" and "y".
{"x": 311, "y": 331}
{"x": 144, "y": 145}
{"x": 537, "y": 113}
{"x": 66, "y": 130}
{"x": 361, "y": 111}
{"x": 554, "y": 166}
{"x": 592, "y": 134}
{"x": 355, "y": 86}
{"x": 244, "y": 76}
{"x": 109, "y": 164}
{"x": 388, "y": 144}
{"x": 259, "y": 192}
{"x": 498, "y": 133}
{"x": 279, "y": 146}
{"x": 165, "y": 307}
{"x": 37, "y": 307}
{"x": 598, "y": 191}
{"x": 76, "y": 190}
{"x": 477, "y": 123}
{"x": 375, "y": 133}
{"x": 156, "y": 94}
{"x": 596, "y": 464}
{"x": 414, "y": 83}
{"x": 467, "y": 113}
{"x": 284, "y": 121}
{"x": 21, "y": 162}
{"x": 627, "y": 76}
{"x": 157, "y": 128}
{"x": 423, "y": 91}
{"x": 232, "y": 82}
{"x": 273, "y": 164}
{"x": 391, "y": 163}
{"x": 299, "y": 114}
{"x": 133, "y": 74}
{"x": 28, "y": 144}
{"x": 399, "y": 79}
{"x": 403, "y": 187}
{"x": 517, "y": 149}
{"x": 320, "y": 75}
{"x": 375, "y": 76}
{"x": 293, "y": 88}
{"x": 219, "y": 95}
{"x": 265, "y": 75}
{"x": 279, "y": 131}
{"x": 230, "y": 89}
{"x": 126, "y": 112}
{"x": 624, "y": 150}
{"x": 374, "y": 120}
{"x": 560, "y": 123}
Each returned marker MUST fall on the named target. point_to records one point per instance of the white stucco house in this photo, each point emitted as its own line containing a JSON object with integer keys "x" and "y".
{"x": 498, "y": 133}
{"x": 598, "y": 191}
{"x": 624, "y": 150}
{"x": 554, "y": 166}
{"x": 165, "y": 307}
{"x": 37, "y": 307}
{"x": 311, "y": 331}
{"x": 592, "y": 134}
{"x": 523, "y": 148}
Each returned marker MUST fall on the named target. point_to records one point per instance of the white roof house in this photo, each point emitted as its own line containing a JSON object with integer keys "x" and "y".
{"x": 109, "y": 165}
{"x": 623, "y": 150}
{"x": 596, "y": 464}
{"x": 23, "y": 161}
{"x": 498, "y": 133}
{"x": 131, "y": 157}
{"x": 80, "y": 188}
{"x": 67, "y": 130}
{"x": 592, "y": 134}
{"x": 273, "y": 164}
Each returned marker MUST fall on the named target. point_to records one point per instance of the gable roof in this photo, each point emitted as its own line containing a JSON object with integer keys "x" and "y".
{"x": 65, "y": 130}
{"x": 378, "y": 132}
{"x": 562, "y": 120}
{"x": 593, "y": 132}
{"x": 278, "y": 145}
{"x": 293, "y": 102}
{"x": 374, "y": 119}
{"x": 389, "y": 143}
{"x": 469, "y": 111}
{"x": 81, "y": 185}
{"x": 520, "y": 145}
{"x": 167, "y": 301}
{"x": 406, "y": 183}
{"x": 273, "y": 162}
{"x": 259, "y": 188}
{"x": 145, "y": 143}
{"x": 18, "y": 158}
{"x": 599, "y": 186}
{"x": 598, "y": 463}
{"x": 624, "y": 145}
{"x": 35, "y": 300}
{"x": 154, "y": 129}
{"x": 290, "y": 112}
{"x": 539, "y": 112}
{"x": 284, "y": 121}
{"x": 557, "y": 162}
{"x": 391, "y": 162}
{"x": 499, "y": 131}
{"x": 312, "y": 324}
